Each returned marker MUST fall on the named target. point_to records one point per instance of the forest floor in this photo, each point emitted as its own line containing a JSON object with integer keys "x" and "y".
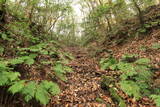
{"x": 83, "y": 87}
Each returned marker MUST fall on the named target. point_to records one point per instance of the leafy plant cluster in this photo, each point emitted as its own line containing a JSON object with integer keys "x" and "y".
{"x": 24, "y": 32}
{"x": 62, "y": 58}
{"x": 41, "y": 91}
{"x": 136, "y": 76}
{"x": 29, "y": 39}
{"x": 60, "y": 70}
{"x": 31, "y": 89}
{"x": 148, "y": 25}
{"x": 29, "y": 49}
{"x": 154, "y": 46}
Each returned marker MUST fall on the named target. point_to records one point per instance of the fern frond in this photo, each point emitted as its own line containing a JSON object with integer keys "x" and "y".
{"x": 106, "y": 63}
{"x": 131, "y": 88}
{"x": 125, "y": 67}
{"x": 143, "y": 61}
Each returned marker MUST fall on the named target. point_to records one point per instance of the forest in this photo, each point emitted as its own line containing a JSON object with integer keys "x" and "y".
{"x": 79, "y": 53}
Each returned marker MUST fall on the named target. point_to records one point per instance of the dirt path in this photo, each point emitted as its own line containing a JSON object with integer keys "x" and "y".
{"x": 83, "y": 85}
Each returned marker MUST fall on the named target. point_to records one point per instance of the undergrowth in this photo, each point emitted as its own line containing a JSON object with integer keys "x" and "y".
{"x": 135, "y": 78}
{"x": 40, "y": 90}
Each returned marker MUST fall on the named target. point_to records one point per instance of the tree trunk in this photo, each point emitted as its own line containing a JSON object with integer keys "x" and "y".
{"x": 109, "y": 25}
{"x": 140, "y": 14}
{"x": 3, "y": 11}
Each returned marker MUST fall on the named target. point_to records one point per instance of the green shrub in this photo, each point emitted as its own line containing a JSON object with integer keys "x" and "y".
{"x": 41, "y": 91}
{"x": 60, "y": 70}
{"x": 131, "y": 88}
{"x": 135, "y": 78}
{"x": 29, "y": 60}
{"x": 108, "y": 63}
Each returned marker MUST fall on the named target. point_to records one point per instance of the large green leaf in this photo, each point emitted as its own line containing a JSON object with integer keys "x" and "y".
{"x": 17, "y": 87}
{"x": 59, "y": 68}
{"x": 29, "y": 61}
{"x": 12, "y": 76}
{"x": 24, "y": 59}
{"x": 8, "y": 77}
{"x": 3, "y": 66}
{"x": 16, "y": 61}
{"x": 33, "y": 56}
{"x": 53, "y": 88}
{"x": 61, "y": 76}
{"x": 3, "y": 79}
{"x": 42, "y": 95}
{"x": 29, "y": 90}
